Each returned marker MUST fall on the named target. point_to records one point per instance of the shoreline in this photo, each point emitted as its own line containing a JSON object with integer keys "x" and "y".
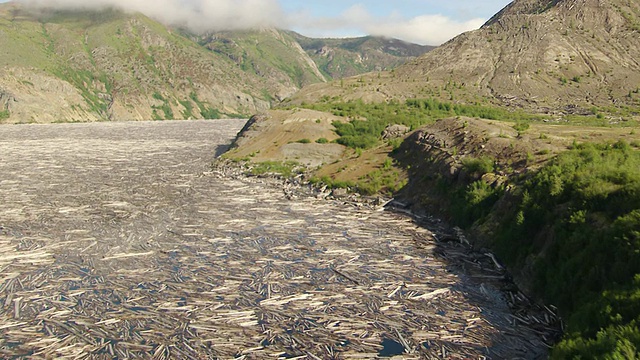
{"x": 480, "y": 265}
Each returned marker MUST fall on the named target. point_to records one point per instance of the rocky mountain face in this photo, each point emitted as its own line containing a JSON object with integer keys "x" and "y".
{"x": 272, "y": 55}
{"x": 562, "y": 55}
{"x": 78, "y": 66}
{"x": 111, "y": 65}
{"x": 338, "y": 58}
{"x": 546, "y": 53}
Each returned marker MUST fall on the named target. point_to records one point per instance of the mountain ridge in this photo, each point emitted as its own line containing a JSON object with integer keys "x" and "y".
{"x": 112, "y": 65}
{"x": 560, "y": 57}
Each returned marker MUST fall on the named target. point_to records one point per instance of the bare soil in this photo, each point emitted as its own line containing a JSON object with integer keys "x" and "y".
{"x": 117, "y": 240}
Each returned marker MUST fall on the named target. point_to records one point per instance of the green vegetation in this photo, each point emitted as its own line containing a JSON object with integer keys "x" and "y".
{"x": 521, "y": 127}
{"x": 369, "y": 120}
{"x": 350, "y": 57}
{"x": 85, "y": 80}
{"x": 588, "y": 202}
{"x": 322, "y": 140}
{"x": 304, "y": 141}
{"x": 4, "y": 115}
{"x": 575, "y": 225}
{"x": 477, "y": 167}
{"x": 386, "y": 180}
{"x": 206, "y": 111}
{"x": 259, "y": 52}
{"x": 286, "y": 169}
{"x": 165, "y": 107}
{"x": 187, "y": 113}
{"x": 332, "y": 183}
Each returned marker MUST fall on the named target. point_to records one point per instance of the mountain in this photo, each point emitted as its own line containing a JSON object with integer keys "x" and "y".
{"x": 338, "y": 58}
{"x": 112, "y": 65}
{"x": 299, "y": 61}
{"x": 72, "y": 66}
{"x": 562, "y": 55}
{"x": 273, "y": 55}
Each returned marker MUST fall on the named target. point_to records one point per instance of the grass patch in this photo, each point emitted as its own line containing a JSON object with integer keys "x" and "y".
{"x": 4, "y": 115}
{"x": 285, "y": 169}
{"x": 588, "y": 198}
{"x": 206, "y": 111}
{"x": 187, "y": 113}
{"x": 332, "y": 183}
{"x": 386, "y": 181}
{"x": 369, "y": 120}
{"x": 477, "y": 167}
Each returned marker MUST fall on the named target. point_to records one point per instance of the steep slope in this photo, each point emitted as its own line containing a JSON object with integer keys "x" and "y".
{"x": 271, "y": 54}
{"x": 65, "y": 66}
{"x": 112, "y": 65}
{"x": 338, "y": 58}
{"x": 547, "y": 53}
{"x": 297, "y": 61}
{"x": 563, "y": 55}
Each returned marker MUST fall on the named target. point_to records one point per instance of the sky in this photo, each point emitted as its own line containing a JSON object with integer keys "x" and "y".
{"x": 427, "y": 22}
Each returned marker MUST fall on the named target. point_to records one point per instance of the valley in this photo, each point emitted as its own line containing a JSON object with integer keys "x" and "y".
{"x": 511, "y": 152}
{"x": 119, "y": 240}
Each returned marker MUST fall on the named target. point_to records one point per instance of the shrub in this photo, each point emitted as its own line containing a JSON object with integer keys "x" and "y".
{"x": 478, "y": 166}
{"x": 588, "y": 202}
{"x": 285, "y": 169}
{"x": 521, "y": 127}
{"x": 369, "y": 120}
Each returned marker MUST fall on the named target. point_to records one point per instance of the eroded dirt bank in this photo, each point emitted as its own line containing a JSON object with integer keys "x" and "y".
{"x": 117, "y": 240}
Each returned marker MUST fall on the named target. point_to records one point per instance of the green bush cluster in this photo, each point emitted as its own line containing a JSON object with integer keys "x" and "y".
{"x": 575, "y": 225}
{"x": 578, "y": 220}
{"x": 385, "y": 180}
{"x": 368, "y": 121}
{"x": 206, "y": 111}
{"x": 286, "y": 169}
{"x": 332, "y": 183}
{"x": 165, "y": 107}
{"x": 477, "y": 167}
{"x": 4, "y": 114}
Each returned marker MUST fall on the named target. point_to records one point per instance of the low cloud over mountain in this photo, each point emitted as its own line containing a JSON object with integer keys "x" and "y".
{"x": 422, "y": 29}
{"x": 212, "y": 15}
{"x": 197, "y": 15}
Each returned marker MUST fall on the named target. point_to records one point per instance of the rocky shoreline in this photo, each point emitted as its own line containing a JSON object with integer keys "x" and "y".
{"x": 479, "y": 264}
{"x": 297, "y": 186}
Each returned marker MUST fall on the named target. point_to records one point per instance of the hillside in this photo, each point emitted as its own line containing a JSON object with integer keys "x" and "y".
{"x": 79, "y": 66}
{"x": 338, "y": 58}
{"x": 523, "y": 133}
{"x": 112, "y": 65}
{"x": 562, "y": 56}
{"x": 272, "y": 55}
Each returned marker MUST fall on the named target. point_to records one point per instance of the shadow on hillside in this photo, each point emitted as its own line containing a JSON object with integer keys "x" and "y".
{"x": 525, "y": 329}
{"x": 221, "y": 149}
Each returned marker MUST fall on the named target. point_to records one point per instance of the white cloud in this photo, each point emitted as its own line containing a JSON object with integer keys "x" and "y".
{"x": 423, "y": 29}
{"x": 198, "y": 15}
{"x": 204, "y": 15}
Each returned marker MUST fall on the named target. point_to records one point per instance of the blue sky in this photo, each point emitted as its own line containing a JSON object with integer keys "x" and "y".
{"x": 421, "y": 21}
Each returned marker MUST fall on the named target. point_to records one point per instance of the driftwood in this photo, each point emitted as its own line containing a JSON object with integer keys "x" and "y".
{"x": 123, "y": 244}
